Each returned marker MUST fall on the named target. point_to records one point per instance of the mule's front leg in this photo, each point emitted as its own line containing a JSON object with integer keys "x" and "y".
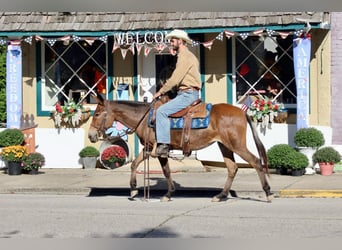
{"x": 133, "y": 181}
{"x": 167, "y": 173}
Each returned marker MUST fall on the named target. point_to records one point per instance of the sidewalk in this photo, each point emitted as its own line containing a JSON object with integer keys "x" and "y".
{"x": 188, "y": 175}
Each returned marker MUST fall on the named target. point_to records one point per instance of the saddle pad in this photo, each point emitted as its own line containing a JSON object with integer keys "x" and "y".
{"x": 177, "y": 123}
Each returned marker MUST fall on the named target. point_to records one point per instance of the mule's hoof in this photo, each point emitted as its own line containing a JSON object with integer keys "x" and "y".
{"x": 216, "y": 199}
{"x": 134, "y": 193}
{"x": 270, "y": 198}
{"x": 165, "y": 198}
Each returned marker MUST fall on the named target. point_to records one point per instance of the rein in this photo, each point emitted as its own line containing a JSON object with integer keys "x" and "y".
{"x": 128, "y": 130}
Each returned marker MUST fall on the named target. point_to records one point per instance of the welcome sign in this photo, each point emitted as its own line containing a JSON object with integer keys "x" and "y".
{"x": 13, "y": 85}
{"x": 301, "y": 60}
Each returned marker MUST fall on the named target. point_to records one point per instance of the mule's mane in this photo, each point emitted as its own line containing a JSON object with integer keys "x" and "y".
{"x": 131, "y": 103}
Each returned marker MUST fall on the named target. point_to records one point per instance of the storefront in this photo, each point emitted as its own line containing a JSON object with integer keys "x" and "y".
{"x": 123, "y": 56}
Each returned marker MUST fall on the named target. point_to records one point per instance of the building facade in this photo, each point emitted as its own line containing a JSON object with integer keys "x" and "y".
{"x": 72, "y": 55}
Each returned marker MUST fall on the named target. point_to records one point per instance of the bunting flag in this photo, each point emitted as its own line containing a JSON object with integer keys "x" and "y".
{"x": 131, "y": 48}
{"x": 52, "y": 41}
{"x": 258, "y": 32}
{"x": 270, "y": 32}
{"x": 229, "y": 34}
{"x": 147, "y": 50}
{"x": 115, "y": 46}
{"x": 138, "y": 46}
{"x": 28, "y": 40}
{"x": 38, "y": 38}
{"x": 244, "y": 36}
{"x": 208, "y": 44}
{"x": 283, "y": 35}
{"x": 160, "y": 47}
{"x": 90, "y": 41}
{"x": 220, "y": 36}
{"x": 123, "y": 53}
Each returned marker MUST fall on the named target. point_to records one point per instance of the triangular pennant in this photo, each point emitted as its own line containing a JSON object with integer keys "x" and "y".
{"x": 65, "y": 38}
{"x": 15, "y": 42}
{"x": 220, "y": 36}
{"x": 28, "y": 40}
{"x": 38, "y": 38}
{"x": 298, "y": 32}
{"x": 229, "y": 33}
{"x": 208, "y": 44}
{"x": 52, "y": 41}
{"x": 138, "y": 46}
{"x": 104, "y": 38}
{"x": 160, "y": 47}
{"x": 147, "y": 50}
{"x": 270, "y": 32}
{"x": 244, "y": 36}
{"x": 283, "y": 35}
{"x": 123, "y": 53}
{"x": 131, "y": 48}
{"x": 3, "y": 41}
{"x": 90, "y": 41}
{"x": 258, "y": 32}
{"x": 76, "y": 38}
{"x": 115, "y": 46}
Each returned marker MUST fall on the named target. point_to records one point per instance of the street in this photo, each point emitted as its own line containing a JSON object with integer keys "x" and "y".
{"x": 109, "y": 216}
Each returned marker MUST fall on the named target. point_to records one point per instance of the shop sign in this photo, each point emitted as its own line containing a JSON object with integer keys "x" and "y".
{"x": 13, "y": 86}
{"x": 301, "y": 60}
{"x": 149, "y": 37}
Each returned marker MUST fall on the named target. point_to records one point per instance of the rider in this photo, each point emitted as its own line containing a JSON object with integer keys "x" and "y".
{"x": 186, "y": 77}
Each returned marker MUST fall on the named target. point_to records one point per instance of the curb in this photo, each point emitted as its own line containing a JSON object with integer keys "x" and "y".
{"x": 295, "y": 193}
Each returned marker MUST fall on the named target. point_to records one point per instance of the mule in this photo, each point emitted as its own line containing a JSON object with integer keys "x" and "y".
{"x": 228, "y": 127}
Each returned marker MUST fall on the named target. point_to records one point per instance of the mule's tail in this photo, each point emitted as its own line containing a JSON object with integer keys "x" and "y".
{"x": 260, "y": 146}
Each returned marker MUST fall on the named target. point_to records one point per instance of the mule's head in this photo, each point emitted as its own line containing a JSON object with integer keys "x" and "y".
{"x": 101, "y": 121}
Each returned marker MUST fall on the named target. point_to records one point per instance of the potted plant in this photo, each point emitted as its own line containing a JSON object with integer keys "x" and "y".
{"x": 11, "y": 137}
{"x": 113, "y": 157}
{"x": 14, "y": 155}
{"x": 89, "y": 156}
{"x": 308, "y": 140}
{"x": 326, "y": 157}
{"x": 297, "y": 162}
{"x": 277, "y": 157}
{"x": 32, "y": 162}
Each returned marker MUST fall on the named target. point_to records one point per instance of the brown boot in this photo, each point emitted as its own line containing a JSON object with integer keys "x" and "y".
{"x": 162, "y": 150}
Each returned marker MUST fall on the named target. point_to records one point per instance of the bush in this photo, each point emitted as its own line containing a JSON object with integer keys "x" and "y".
{"x": 297, "y": 160}
{"x": 326, "y": 154}
{"x": 309, "y": 137}
{"x": 278, "y": 155}
{"x": 11, "y": 137}
{"x": 89, "y": 151}
{"x": 34, "y": 160}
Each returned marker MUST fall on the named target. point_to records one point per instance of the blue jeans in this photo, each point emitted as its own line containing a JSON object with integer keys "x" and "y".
{"x": 181, "y": 101}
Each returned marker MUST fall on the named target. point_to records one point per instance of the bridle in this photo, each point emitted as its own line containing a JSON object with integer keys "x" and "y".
{"x": 128, "y": 131}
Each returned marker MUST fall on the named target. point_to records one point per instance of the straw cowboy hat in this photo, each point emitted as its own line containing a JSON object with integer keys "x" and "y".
{"x": 181, "y": 34}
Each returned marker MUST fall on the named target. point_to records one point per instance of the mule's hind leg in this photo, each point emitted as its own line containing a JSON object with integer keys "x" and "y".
{"x": 256, "y": 164}
{"x": 133, "y": 180}
{"x": 164, "y": 162}
{"x": 232, "y": 169}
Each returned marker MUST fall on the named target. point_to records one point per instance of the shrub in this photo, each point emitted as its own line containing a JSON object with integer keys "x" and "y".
{"x": 34, "y": 160}
{"x": 89, "y": 151}
{"x": 11, "y": 137}
{"x": 277, "y": 155}
{"x": 308, "y": 137}
{"x": 297, "y": 160}
{"x": 326, "y": 154}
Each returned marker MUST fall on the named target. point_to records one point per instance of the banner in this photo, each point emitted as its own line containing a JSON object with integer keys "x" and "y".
{"x": 301, "y": 61}
{"x": 14, "y": 85}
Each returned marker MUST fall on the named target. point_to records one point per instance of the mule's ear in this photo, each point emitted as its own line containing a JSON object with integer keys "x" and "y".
{"x": 99, "y": 99}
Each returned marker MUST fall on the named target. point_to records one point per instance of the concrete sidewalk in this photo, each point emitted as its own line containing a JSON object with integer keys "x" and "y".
{"x": 188, "y": 175}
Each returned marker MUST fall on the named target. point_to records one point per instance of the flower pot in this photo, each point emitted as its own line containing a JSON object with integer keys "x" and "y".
{"x": 14, "y": 168}
{"x": 281, "y": 171}
{"x": 297, "y": 172}
{"x": 33, "y": 171}
{"x": 308, "y": 151}
{"x": 89, "y": 162}
{"x": 326, "y": 168}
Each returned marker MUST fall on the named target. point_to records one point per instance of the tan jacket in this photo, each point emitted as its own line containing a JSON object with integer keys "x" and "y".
{"x": 186, "y": 73}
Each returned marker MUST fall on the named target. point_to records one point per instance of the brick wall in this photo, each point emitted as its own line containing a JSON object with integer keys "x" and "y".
{"x": 336, "y": 76}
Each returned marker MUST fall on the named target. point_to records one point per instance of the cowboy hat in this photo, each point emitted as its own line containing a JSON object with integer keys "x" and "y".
{"x": 181, "y": 34}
